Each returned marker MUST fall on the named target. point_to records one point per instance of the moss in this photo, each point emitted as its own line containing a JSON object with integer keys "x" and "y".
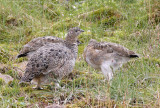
{"x": 109, "y": 22}
{"x": 21, "y": 98}
{"x": 10, "y": 72}
{"x": 81, "y": 81}
{"x": 26, "y": 86}
{"x": 152, "y": 61}
{"x": 127, "y": 1}
{"x": 99, "y": 14}
{"x": 142, "y": 21}
{"x": 28, "y": 89}
{"x": 65, "y": 24}
{"x": 13, "y": 83}
{"x": 19, "y": 60}
{"x": 51, "y": 12}
{"x": 104, "y": 16}
{"x": 4, "y": 56}
{"x": 13, "y": 21}
{"x": 2, "y": 82}
{"x": 140, "y": 37}
{"x": 8, "y": 91}
{"x": 81, "y": 49}
{"x": 10, "y": 22}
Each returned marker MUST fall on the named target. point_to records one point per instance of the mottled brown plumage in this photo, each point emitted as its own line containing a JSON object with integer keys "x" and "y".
{"x": 107, "y": 56}
{"x": 36, "y": 43}
{"x": 57, "y": 59}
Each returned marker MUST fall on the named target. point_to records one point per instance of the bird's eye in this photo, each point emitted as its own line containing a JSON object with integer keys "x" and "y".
{"x": 76, "y": 30}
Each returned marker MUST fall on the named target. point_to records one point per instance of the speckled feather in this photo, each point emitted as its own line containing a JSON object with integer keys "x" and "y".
{"x": 55, "y": 58}
{"x": 36, "y": 43}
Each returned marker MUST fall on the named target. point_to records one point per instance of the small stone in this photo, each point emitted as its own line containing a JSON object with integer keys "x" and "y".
{"x": 6, "y": 78}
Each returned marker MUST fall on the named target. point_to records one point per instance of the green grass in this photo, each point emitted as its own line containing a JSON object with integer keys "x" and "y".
{"x": 132, "y": 23}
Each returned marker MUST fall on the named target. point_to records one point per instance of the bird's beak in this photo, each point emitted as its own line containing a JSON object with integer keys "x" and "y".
{"x": 81, "y": 30}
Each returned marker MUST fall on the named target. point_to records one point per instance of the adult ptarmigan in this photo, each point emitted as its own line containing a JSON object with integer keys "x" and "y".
{"x": 107, "y": 57}
{"x": 32, "y": 46}
{"x": 55, "y": 58}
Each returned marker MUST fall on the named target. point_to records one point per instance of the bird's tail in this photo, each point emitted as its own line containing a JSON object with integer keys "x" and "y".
{"x": 21, "y": 55}
{"x": 134, "y": 56}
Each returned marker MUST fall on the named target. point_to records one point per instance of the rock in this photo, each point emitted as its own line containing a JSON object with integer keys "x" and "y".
{"x": 3, "y": 68}
{"x": 20, "y": 68}
{"x": 6, "y": 78}
{"x": 4, "y": 56}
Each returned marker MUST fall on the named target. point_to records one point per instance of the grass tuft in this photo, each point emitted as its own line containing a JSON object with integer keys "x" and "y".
{"x": 131, "y": 23}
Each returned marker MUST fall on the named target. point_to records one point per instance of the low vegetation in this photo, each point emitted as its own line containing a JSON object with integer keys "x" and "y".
{"x": 134, "y": 24}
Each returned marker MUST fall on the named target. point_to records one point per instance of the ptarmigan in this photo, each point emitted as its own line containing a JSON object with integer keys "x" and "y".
{"x": 54, "y": 58}
{"x": 36, "y": 43}
{"x": 107, "y": 57}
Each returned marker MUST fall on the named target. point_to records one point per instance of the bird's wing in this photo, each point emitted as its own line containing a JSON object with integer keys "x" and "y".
{"x": 36, "y": 43}
{"x": 121, "y": 50}
{"x": 114, "y": 48}
{"x": 102, "y": 46}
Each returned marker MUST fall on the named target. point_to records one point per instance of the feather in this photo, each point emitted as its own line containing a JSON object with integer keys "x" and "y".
{"x": 106, "y": 56}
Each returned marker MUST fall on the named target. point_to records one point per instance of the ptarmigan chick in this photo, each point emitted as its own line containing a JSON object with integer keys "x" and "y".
{"x": 32, "y": 46}
{"x": 107, "y": 57}
{"x": 55, "y": 58}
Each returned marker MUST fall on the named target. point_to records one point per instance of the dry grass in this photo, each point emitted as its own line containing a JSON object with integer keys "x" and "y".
{"x": 132, "y": 23}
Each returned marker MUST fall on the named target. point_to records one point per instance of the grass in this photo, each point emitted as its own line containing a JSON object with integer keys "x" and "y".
{"x": 132, "y": 23}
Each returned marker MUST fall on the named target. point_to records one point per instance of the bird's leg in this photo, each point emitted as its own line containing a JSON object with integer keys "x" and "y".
{"x": 38, "y": 87}
{"x": 107, "y": 71}
{"x": 39, "y": 84}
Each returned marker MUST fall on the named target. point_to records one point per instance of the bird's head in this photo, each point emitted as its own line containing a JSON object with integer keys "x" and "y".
{"x": 73, "y": 33}
{"x": 76, "y": 31}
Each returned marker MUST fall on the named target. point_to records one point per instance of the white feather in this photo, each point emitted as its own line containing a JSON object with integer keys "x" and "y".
{"x": 107, "y": 69}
